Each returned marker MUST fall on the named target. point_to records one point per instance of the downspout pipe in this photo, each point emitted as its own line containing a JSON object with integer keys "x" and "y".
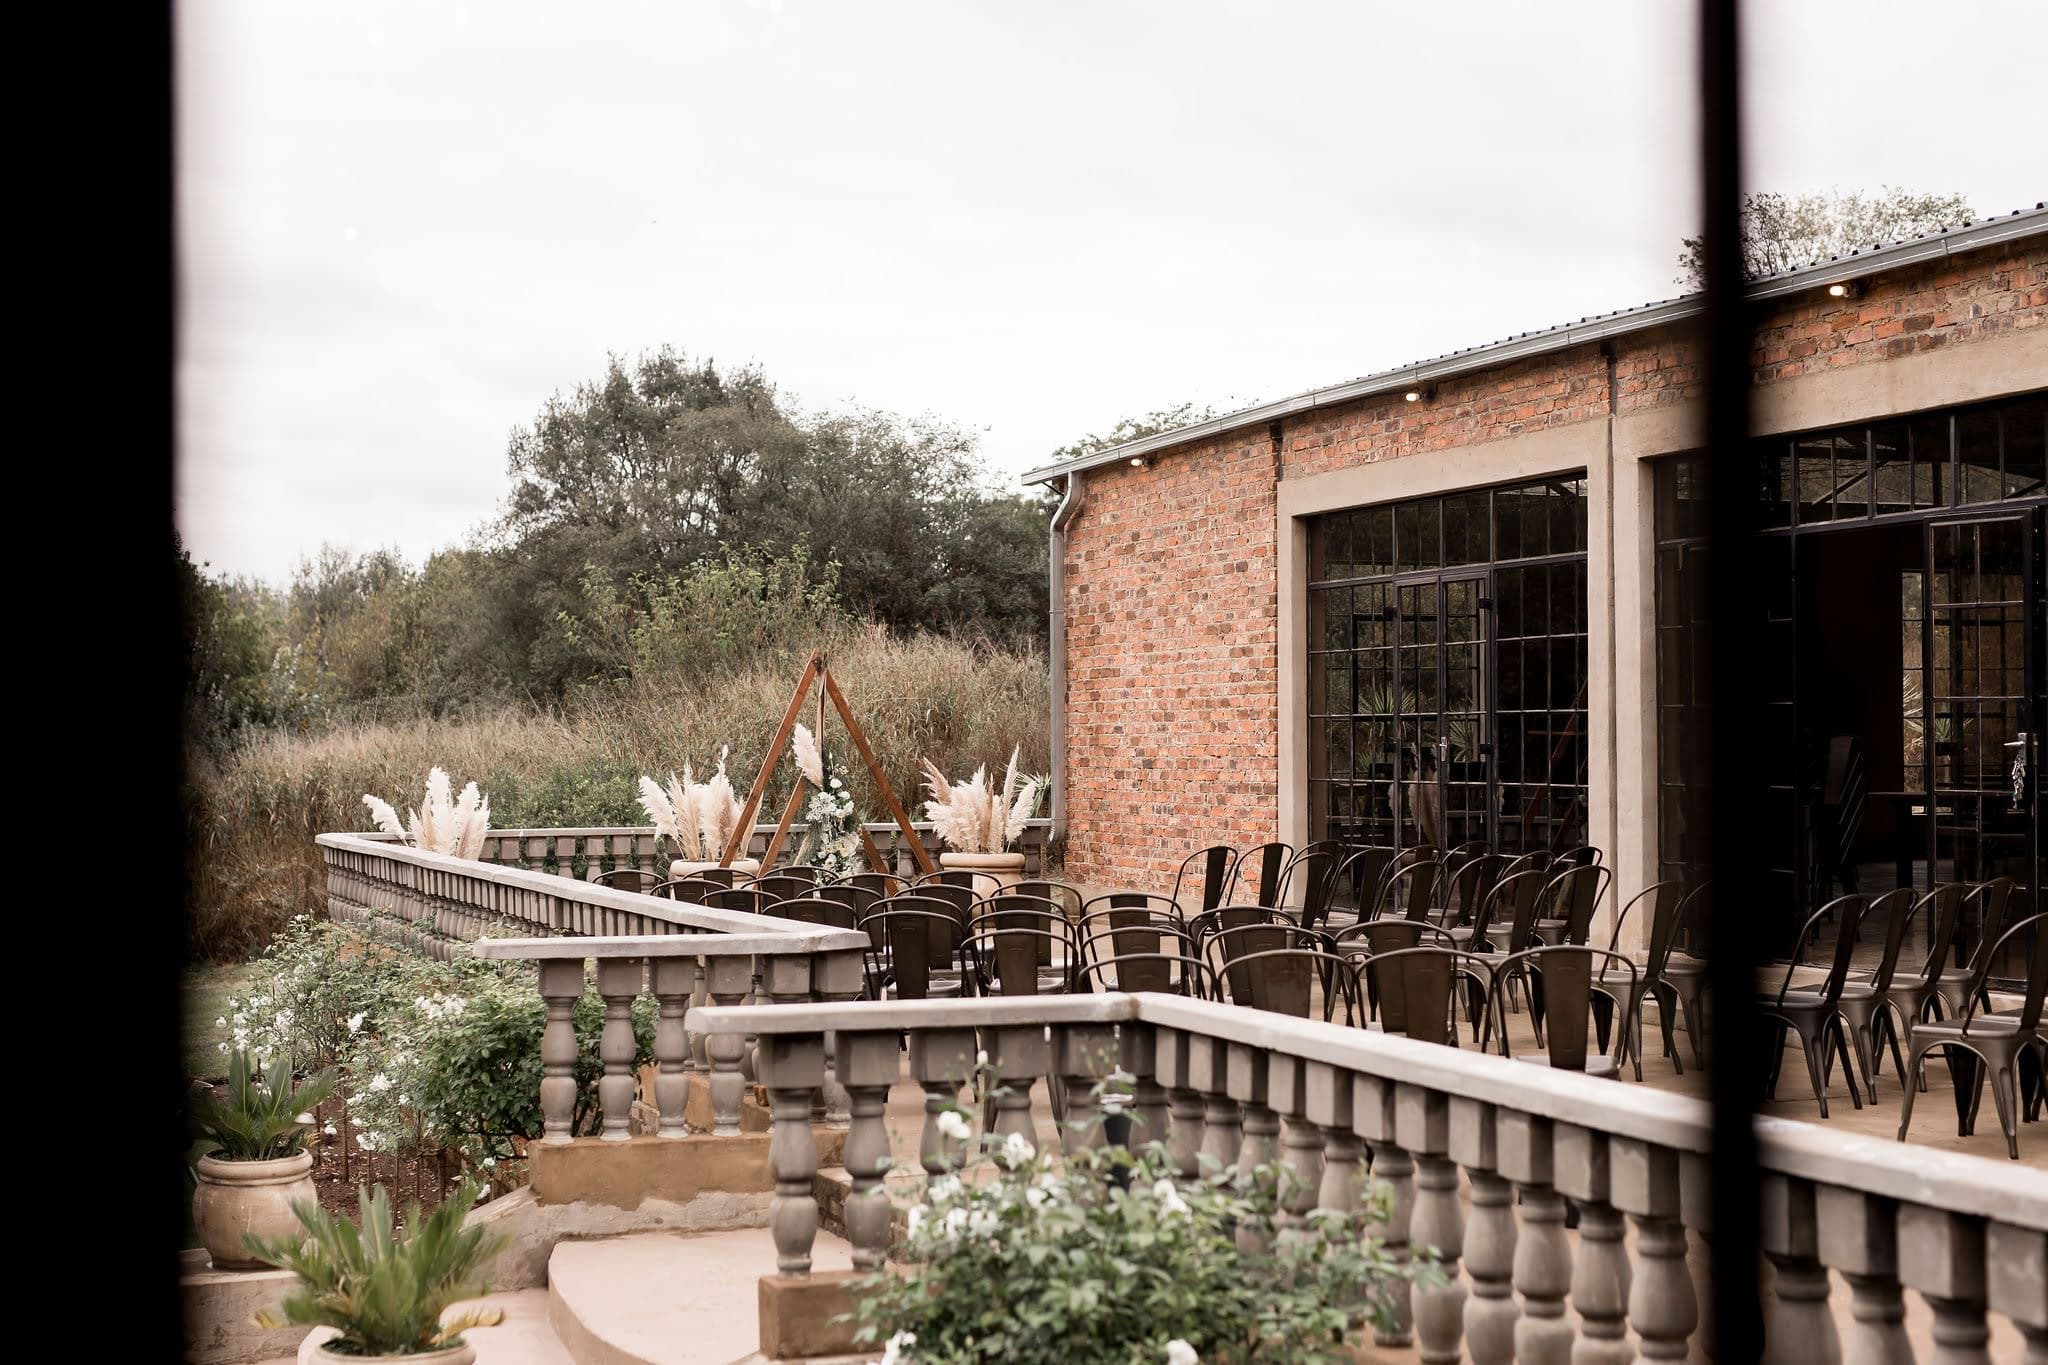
{"x": 1056, "y": 653}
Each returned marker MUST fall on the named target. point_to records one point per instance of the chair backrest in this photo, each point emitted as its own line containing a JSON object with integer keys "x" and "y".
{"x": 961, "y": 898}
{"x": 1048, "y": 889}
{"x": 738, "y": 898}
{"x": 1984, "y": 907}
{"x": 1015, "y": 953}
{"x": 1662, "y": 899}
{"x": 1575, "y": 894}
{"x": 1898, "y": 907}
{"x": 720, "y": 877}
{"x": 946, "y": 939}
{"x": 883, "y": 884}
{"x": 818, "y": 909}
{"x": 1116, "y": 935}
{"x": 1847, "y": 911}
{"x": 1360, "y": 875}
{"x": 1314, "y": 872}
{"x": 1540, "y": 858}
{"x": 1225, "y": 946}
{"x": 1585, "y": 855}
{"x": 1468, "y": 877}
{"x": 950, "y": 876}
{"x": 802, "y": 871}
{"x": 1284, "y": 981}
{"x": 1413, "y": 989}
{"x": 1231, "y": 916}
{"x": 1948, "y": 913}
{"x": 1211, "y": 868}
{"x": 1014, "y": 910}
{"x": 861, "y": 900}
{"x": 2037, "y": 972}
{"x": 1410, "y": 886}
{"x": 629, "y": 879}
{"x": 1390, "y": 936}
{"x": 1567, "y": 971}
{"x": 1134, "y": 900}
{"x": 916, "y": 940}
{"x": 1689, "y": 929}
{"x": 1521, "y": 897}
{"x": 1163, "y": 972}
{"x": 1271, "y": 860}
{"x": 782, "y": 886}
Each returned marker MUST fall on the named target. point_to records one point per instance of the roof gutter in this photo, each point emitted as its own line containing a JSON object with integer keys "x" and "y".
{"x": 1056, "y": 654}
{"x": 1839, "y": 269}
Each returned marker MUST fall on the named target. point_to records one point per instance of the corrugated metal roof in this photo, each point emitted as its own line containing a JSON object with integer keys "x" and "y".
{"x": 1882, "y": 256}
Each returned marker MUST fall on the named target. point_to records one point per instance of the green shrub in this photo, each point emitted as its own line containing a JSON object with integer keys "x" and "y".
{"x": 262, "y": 1116}
{"x": 1110, "y": 1258}
{"x": 384, "y": 1287}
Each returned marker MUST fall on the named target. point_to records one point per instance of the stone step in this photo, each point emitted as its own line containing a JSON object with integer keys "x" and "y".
{"x": 664, "y": 1298}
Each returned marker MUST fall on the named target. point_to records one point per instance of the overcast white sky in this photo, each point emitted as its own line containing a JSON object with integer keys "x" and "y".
{"x": 405, "y": 225}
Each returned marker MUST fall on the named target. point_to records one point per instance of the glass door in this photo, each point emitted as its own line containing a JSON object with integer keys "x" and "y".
{"x": 1983, "y": 700}
{"x": 1443, "y": 793}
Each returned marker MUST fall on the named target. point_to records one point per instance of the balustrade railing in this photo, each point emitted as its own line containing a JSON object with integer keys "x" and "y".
{"x": 1220, "y": 1085}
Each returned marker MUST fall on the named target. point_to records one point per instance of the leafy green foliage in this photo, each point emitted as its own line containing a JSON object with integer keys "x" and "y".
{"x": 1062, "y": 1264}
{"x": 1136, "y": 428}
{"x": 1786, "y": 231}
{"x": 384, "y": 1287}
{"x": 258, "y": 1118}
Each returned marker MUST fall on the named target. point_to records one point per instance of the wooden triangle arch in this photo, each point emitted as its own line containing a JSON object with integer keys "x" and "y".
{"x": 816, "y": 671}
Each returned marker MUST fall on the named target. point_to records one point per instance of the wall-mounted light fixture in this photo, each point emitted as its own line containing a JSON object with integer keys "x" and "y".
{"x": 1846, "y": 289}
{"x": 1419, "y": 392}
{"x": 1137, "y": 461}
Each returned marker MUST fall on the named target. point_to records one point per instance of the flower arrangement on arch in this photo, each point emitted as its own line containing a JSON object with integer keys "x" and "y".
{"x": 831, "y": 841}
{"x": 442, "y": 822}
{"x": 971, "y": 817}
{"x": 697, "y": 818}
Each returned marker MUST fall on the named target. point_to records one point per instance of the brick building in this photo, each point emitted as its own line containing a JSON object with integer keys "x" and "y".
{"x": 1452, "y": 601}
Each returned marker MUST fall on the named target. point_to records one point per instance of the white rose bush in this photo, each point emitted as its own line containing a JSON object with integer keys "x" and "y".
{"x": 1029, "y": 1258}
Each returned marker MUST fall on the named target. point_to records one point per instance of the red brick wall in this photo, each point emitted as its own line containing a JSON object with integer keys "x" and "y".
{"x": 1172, "y": 632}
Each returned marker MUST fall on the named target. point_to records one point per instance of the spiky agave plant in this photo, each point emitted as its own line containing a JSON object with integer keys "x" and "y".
{"x": 262, "y": 1116}
{"x": 381, "y": 1286}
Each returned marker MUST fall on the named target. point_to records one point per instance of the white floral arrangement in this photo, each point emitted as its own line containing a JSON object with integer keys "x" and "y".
{"x": 831, "y": 825}
{"x": 970, "y": 817}
{"x": 442, "y": 823}
{"x": 696, "y": 818}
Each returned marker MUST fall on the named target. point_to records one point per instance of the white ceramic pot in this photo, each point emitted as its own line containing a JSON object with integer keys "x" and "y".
{"x": 464, "y": 1354}
{"x": 684, "y": 867}
{"x": 994, "y": 872}
{"x": 237, "y": 1197}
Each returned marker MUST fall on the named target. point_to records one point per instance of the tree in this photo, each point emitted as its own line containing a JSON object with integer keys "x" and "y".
{"x": 1783, "y": 232}
{"x": 1136, "y": 428}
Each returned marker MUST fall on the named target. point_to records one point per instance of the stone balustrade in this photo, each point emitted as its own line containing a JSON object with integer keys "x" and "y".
{"x": 1220, "y": 1085}
{"x": 585, "y": 852}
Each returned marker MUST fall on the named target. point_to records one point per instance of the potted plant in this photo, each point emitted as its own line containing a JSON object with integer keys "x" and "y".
{"x": 379, "y": 1289}
{"x": 253, "y": 1161}
{"x": 695, "y": 819}
{"x": 443, "y": 822}
{"x": 831, "y": 840}
{"x": 978, "y": 825}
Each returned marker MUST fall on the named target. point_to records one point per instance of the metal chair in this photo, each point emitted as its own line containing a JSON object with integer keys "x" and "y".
{"x": 1284, "y": 981}
{"x": 862, "y": 900}
{"x": 1045, "y": 887}
{"x": 1611, "y": 999}
{"x": 1314, "y": 871}
{"x": 1570, "y": 901}
{"x": 1360, "y": 874}
{"x": 1997, "y": 1044}
{"x": 917, "y": 952}
{"x": 1814, "y": 1013}
{"x": 1685, "y": 967}
{"x": 1521, "y": 895}
{"x": 819, "y": 909}
{"x": 1411, "y": 991}
{"x": 1566, "y": 970}
{"x": 629, "y": 879}
{"x": 783, "y": 886}
{"x": 1375, "y": 938}
{"x": 1467, "y": 880}
{"x": 804, "y": 871}
{"x": 1914, "y": 996}
{"x": 1013, "y": 959}
{"x": 1163, "y": 973}
{"x": 1213, "y": 866}
{"x": 883, "y": 884}
{"x": 1983, "y": 912}
{"x": 1119, "y": 932}
{"x": 1408, "y": 885}
{"x": 1866, "y": 1000}
{"x": 738, "y": 898}
{"x": 1222, "y": 948}
{"x": 1272, "y": 860}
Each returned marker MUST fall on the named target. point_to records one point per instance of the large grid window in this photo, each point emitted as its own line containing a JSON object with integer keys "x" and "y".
{"x": 1447, "y": 669}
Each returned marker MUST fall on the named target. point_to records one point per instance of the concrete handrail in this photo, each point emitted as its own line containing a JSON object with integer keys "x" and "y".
{"x": 1224, "y": 1085}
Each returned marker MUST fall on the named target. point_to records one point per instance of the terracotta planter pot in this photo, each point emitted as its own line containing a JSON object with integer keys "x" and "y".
{"x": 236, "y": 1197}
{"x": 464, "y": 1354}
{"x": 994, "y": 872}
{"x": 684, "y": 867}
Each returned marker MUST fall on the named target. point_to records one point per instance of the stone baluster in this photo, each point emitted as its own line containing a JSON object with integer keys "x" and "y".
{"x": 1208, "y": 1073}
{"x": 700, "y": 1061}
{"x": 1244, "y": 1076}
{"x": 1798, "y": 1327}
{"x": 1489, "y": 1235}
{"x": 1941, "y": 1254}
{"x": 1326, "y": 1100}
{"x": 1138, "y": 1055}
{"x": 868, "y": 1064}
{"x": 1372, "y": 1118}
{"x": 1184, "y": 1134}
{"x": 1696, "y": 1212}
{"x": 1644, "y": 1180}
{"x": 793, "y": 1067}
{"x": 2016, "y": 1269}
{"x": 673, "y": 979}
{"x": 1422, "y": 1126}
{"x": 1085, "y": 1053}
{"x": 1301, "y": 1142}
{"x": 1601, "y": 1275}
{"x": 561, "y": 985}
{"x": 942, "y": 1060}
{"x": 1525, "y": 1151}
{"x": 728, "y": 979}
{"x": 1020, "y": 1055}
{"x": 837, "y": 977}
{"x": 619, "y": 980}
{"x": 594, "y": 849}
{"x": 1858, "y": 1235}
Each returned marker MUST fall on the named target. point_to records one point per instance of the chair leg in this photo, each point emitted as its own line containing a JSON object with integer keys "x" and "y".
{"x": 1775, "y": 1059}
{"x": 1886, "y": 1020}
{"x": 2002, "y": 1093}
{"x": 1968, "y": 1079}
{"x": 1695, "y": 1026}
{"x": 1603, "y": 1017}
{"x": 1841, "y": 1036}
{"x": 1816, "y": 1066}
{"x": 1911, "y": 1091}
